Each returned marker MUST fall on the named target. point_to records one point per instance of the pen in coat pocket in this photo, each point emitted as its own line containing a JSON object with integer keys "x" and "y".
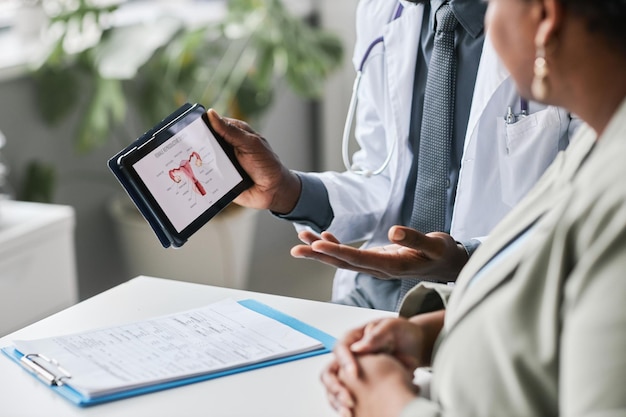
{"x": 511, "y": 117}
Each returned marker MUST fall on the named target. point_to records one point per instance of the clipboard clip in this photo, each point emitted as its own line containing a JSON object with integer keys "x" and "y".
{"x": 46, "y": 369}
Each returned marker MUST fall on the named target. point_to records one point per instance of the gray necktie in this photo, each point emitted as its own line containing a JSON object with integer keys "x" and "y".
{"x": 429, "y": 205}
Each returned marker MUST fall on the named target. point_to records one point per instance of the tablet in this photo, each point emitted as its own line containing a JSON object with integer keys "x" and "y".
{"x": 180, "y": 174}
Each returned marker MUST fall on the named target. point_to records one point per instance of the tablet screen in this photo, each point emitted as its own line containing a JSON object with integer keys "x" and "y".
{"x": 188, "y": 173}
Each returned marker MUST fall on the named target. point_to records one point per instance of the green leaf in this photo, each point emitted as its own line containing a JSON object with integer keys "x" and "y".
{"x": 251, "y": 101}
{"x": 104, "y": 113}
{"x": 57, "y": 91}
{"x": 263, "y": 74}
{"x": 39, "y": 183}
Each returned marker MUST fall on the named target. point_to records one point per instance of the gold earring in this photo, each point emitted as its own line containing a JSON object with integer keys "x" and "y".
{"x": 540, "y": 86}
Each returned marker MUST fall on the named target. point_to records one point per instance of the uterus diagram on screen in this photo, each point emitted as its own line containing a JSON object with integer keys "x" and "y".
{"x": 185, "y": 170}
{"x": 194, "y": 174}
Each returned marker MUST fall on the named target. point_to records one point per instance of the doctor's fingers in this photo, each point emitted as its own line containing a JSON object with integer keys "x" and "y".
{"x": 307, "y": 252}
{"x": 308, "y": 237}
{"x": 240, "y": 124}
{"x": 235, "y": 132}
{"x": 385, "y": 262}
{"x": 329, "y": 237}
{"x": 432, "y": 245}
{"x": 233, "y": 122}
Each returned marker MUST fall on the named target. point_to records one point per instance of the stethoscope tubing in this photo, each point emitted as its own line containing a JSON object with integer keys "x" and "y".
{"x": 347, "y": 130}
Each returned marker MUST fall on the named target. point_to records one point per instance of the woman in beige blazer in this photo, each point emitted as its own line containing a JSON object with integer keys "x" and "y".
{"x": 536, "y": 324}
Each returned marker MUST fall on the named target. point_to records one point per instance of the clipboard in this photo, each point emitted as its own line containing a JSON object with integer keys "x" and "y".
{"x": 56, "y": 377}
{"x": 168, "y": 170}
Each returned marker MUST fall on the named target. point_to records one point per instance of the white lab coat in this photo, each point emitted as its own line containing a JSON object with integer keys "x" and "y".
{"x": 500, "y": 162}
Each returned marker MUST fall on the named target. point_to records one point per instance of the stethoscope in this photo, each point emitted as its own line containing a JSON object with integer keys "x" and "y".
{"x": 509, "y": 117}
{"x": 345, "y": 142}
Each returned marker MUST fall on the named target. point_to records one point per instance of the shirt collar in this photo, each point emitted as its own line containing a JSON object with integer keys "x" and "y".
{"x": 469, "y": 13}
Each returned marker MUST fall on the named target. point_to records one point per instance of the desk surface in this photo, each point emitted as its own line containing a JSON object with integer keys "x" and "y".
{"x": 290, "y": 389}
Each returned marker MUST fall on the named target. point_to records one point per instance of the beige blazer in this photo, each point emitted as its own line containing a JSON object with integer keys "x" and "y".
{"x": 542, "y": 330}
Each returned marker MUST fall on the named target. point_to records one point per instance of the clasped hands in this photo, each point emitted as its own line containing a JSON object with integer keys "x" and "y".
{"x": 371, "y": 373}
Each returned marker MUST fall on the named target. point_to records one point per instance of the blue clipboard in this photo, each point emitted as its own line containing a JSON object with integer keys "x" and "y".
{"x": 79, "y": 399}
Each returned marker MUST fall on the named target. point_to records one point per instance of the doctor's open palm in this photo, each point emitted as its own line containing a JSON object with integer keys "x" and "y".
{"x": 434, "y": 256}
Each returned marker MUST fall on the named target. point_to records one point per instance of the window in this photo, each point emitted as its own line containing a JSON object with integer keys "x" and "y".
{"x": 7, "y": 12}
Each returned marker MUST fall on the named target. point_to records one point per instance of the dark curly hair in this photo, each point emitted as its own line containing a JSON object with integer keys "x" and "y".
{"x": 605, "y": 17}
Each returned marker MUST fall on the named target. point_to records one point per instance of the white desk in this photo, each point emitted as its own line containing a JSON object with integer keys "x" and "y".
{"x": 37, "y": 262}
{"x": 290, "y": 389}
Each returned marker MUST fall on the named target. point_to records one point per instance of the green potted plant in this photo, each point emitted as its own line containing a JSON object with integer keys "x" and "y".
{"x": 234, "y": 65}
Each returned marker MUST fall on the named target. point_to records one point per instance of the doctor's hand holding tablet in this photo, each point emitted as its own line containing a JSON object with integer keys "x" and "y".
{"x": 275, "y": 187}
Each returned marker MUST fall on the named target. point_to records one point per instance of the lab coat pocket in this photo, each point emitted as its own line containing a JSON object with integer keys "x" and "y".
{"x": 526, "y": 148}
